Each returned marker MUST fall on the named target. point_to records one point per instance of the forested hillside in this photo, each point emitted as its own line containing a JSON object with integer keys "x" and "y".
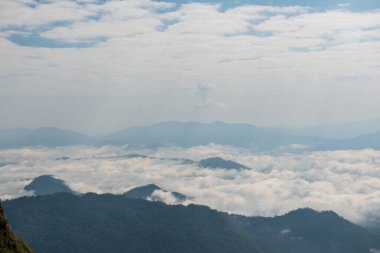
{"x": 64, "y": 222}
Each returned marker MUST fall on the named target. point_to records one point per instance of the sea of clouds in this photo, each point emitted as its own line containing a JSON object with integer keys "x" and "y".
{"x": 347, "y": 182}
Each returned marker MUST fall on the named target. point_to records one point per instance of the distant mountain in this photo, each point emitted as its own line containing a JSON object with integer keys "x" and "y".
{"x": 48, "y": 137}
{"x": 47, "y": 184}
{"x": 195, "y": 133}
{"x": 336, "y": 131}
{"x": 142, "y": 192}
{"x": 62, "y": 158}
{"x": 131, "y": 156}
{"x": 218, "y": 162}
{"x": 360, "y": 142}
{"x": 94, "y": 223}
{"x": 146, "y": 191}
{"x": 9, "y": 243}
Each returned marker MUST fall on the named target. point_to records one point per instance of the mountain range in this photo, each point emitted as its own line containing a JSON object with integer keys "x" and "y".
{"x": 336, "y": 131}
{"x": 47, "y": 137}
{"x": 357, "y": 135}
{"x": 48, "y": 184}
{"x": 63, "y": 222}
{"x": 195, "y": 133}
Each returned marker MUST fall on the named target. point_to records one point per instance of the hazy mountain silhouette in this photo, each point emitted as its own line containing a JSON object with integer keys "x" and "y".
{"x": 360, "y": 142}
{"x": 195, "y": 133}
{"x": 63, "y": 222}
{"x": 340, "y": 136}
{"x": 47, "y": 184}
{"x": 48, "y": 137}
{"x": 62, "y": 158}
{"x": 9, "y": 243}
{"x": 336, "y": 131}
{"x": 218, "y": 162}
{"x": 144, "y": 192}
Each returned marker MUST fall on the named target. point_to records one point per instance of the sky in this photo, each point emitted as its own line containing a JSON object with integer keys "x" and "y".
{"x": 99, "y": 66}
{"x": 347, "y": 182}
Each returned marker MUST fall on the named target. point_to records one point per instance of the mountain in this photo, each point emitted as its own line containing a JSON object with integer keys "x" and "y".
{"x": 9, "y": 243}
{"x": 62, "y": 158}
{"x": 336, "y": 131}
{"x": 356, "y": 143}
{"x": 195, "y": 133}
{"x": 220, "y": 163}
{"x": 146, "y": 191}
{"x": 131, "y": 156}
{"x": 94, "y": 223}
{"x": 48, "y": 137}
{"x": 47, "y": 184}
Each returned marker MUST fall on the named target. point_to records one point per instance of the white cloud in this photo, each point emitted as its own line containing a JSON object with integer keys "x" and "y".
{"x": 288, "y": 63}
{"x": 164, "y": 196}
{"x": 90, "y": 30}
{"x": 14, "y": 13}
{"x": 205, "y": 97}
{"x": 285, "y": 231}
{"x": 347, "y": 182}
{"x": 117, "y": 19}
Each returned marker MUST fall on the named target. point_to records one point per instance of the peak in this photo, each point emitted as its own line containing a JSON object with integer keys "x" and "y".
{"x": 47, "y": 184}
{"x": 218, "y": 162}
{"x": 142, "y": 192}
{"x": 150, "y": 186}
{"x": 48, "y": 128}
{"x": 146, "y": 191}
{"x": 307, "y": 212}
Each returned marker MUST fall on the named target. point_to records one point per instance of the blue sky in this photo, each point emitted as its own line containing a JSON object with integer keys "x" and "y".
{"x": 356, "y": 5}
{"x": 97, "y": 66}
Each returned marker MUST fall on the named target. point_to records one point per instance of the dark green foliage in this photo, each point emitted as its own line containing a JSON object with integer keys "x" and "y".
{"x": 113, "y": 223}
{"x": 9, "y": 243}
{"x": 47, "y": 184}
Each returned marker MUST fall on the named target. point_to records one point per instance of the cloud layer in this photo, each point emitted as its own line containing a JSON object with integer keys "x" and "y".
{"x": 149, "y": 60}
{"x": 347, "y": 182}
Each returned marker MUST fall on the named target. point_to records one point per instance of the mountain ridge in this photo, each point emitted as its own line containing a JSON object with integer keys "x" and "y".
{"x": 46, "y": 136}
{"x": 95, "y": 223}
{"x": 188, "y": 134}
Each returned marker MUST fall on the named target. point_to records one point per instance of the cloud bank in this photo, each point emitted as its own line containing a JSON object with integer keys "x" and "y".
{"x": 347, "y": 182}
{"x": 97, "y": 60}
